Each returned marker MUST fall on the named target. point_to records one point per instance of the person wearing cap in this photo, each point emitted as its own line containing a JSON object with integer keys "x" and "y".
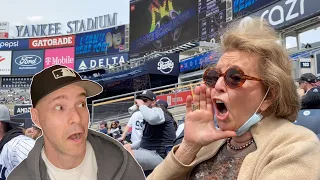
{"x": 14, "y": 145}
{"x": 310, "y": 99}
{"x": 68, "y": 149}
{"x": 164, "y": 106}
{"x": 307, "y": 82}
{"x": 158, "y": 133}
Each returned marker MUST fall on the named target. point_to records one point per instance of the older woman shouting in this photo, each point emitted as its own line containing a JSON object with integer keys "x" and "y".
{"x": 253, "y": 96}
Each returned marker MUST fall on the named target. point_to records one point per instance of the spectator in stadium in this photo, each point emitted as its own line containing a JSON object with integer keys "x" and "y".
{"x": 255, "y": 101}
{"x": 68, "y": 149}
{"x": 164, "y": 106}
{"x": 310, "y": 99}
{"x": 307, "y": 82}
{"x": 114, "y": 131}
{"x": 158, "y": 133}
{"x": 103, "y": 127}
{"x": 36, "y": 132}
{"x": 135, "y": 122}
{"x": 14, "y": 146}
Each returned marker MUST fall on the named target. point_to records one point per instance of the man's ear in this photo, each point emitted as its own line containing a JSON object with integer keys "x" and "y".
{"x": 35, "y": 117}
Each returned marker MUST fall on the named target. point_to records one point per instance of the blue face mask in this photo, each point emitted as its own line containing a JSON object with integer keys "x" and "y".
{"x": 254, "y": 119}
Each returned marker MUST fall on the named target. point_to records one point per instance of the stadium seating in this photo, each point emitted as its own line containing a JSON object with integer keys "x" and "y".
{"x": 309, "y": 118}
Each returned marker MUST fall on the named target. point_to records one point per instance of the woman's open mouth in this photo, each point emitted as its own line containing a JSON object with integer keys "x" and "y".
{"x": 221, "y": 110}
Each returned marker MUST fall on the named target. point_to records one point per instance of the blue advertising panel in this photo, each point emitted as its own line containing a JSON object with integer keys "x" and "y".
{"x": 200, "y": 61}
{"x": 85, "y": 64}
{"x": 165, "y": 65}
{"x": 244, "y": 7}
{"x": 286, "y": 13}
{"x": 27, "y": 62}
{"x": 14, "y": 44}
{"x": 103, "y": 42}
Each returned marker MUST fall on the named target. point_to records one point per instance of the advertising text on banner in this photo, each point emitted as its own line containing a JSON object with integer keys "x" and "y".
{"x": 100, "y": 61}
{"x": 5, "y": 62}
{"x": 103, "y": 42}
{"x": 27, "y": 62}
{"x": 52, "y": 42}
{"x": 62, "y": 56}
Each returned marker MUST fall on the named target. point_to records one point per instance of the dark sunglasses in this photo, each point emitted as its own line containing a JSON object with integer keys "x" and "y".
{"x": 234, "y": 77}
{"x": 144, "y": 99}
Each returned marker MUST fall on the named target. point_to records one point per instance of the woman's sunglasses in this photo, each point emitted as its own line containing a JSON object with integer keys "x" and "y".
{"x": 234, "y": 77}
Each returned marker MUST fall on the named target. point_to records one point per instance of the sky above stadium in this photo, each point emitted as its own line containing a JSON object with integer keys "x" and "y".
{"x": 20, "y": 12}
{"x": 32, "y": 12}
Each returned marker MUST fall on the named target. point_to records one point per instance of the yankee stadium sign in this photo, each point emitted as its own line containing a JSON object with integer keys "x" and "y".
{"x": 76, "y": 26}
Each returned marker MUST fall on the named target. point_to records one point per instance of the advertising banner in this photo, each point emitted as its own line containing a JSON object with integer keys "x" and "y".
{"x": 10, "y": 82}
{"x": 5, "y": 62}
{"x": 244, "y": 7}
{"x": 27, "y": 62}
{"x": 52, "y": 42}
{"x": 165, "y": 65}
{"x": 103, "y": 42}
{"x": 61, "y": 56}
{"x": 14, "y": 44}
{"x": 180, "y": 98}
{"x": 198, "y": 62}
{"x": 286, "y": 13}
{"x": 21, "y": 109}
{"x": 161, "y": 24}
{"x": 4, "y": 30}
{"x": 100, "y": 61}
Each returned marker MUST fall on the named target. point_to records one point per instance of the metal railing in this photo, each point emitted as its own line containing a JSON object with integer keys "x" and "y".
{"x": 116, "y": 107}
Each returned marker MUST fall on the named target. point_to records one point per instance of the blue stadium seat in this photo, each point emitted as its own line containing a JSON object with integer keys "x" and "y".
{"x": 310, "y": 118}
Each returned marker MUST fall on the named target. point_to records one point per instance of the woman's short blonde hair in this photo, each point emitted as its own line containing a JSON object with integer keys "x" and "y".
{"x": 274, "y": 66}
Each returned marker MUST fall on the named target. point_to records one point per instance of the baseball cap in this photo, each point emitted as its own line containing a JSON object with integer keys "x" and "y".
{"x": 5, "y": 116}
{"x": 56, "y": 77}
{"x": 308, "y": 77}
{"x": 163, "y": 103}
{"x": 147, "y": 94}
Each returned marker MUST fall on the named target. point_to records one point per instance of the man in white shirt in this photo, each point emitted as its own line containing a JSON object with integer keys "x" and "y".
{"x": 14, "y": 146}
{"x": 68, "y": 150}
{"x": 137, "y": 124}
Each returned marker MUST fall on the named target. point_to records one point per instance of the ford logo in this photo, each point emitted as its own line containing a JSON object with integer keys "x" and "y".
{"x": 28, "y": 60}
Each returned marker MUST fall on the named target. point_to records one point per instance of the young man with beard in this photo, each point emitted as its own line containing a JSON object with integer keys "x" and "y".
{"x": 68, "y": 149}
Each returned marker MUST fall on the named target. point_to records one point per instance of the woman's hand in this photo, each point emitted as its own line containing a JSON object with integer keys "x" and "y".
{"x": 199, "y": 128}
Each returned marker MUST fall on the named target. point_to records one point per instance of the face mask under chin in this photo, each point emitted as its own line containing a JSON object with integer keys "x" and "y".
{"x": 254, "y": 119}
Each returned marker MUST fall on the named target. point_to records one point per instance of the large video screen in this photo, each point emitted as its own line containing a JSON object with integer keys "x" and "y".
{"x": 161, "y": 24}
{"x": 212, "y": 19}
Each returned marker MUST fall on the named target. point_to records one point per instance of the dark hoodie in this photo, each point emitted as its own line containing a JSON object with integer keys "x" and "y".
{"x": 114, "y": 162}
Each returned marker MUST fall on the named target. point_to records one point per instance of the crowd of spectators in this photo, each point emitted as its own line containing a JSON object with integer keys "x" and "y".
{"x": 15, "y": 96}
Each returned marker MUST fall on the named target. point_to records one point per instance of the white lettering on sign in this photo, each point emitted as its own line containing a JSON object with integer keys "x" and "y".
{"x": 52, "y": 42}
{"x": 165, "y": 65}
{"x": 23, "y": 110}
{"x": 284, "y": 16}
